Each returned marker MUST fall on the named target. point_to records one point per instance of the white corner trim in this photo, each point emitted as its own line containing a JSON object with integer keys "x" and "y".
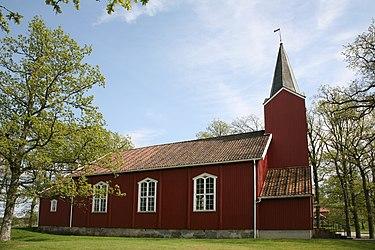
{"x": 255, "y": 182}
{"x": 71, "y": 212}
{"x": 267, "y": 146}
{"x": 283, "y": 88}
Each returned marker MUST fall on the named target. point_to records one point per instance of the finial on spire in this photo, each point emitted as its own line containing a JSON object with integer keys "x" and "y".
{"x": 278, "y": 30}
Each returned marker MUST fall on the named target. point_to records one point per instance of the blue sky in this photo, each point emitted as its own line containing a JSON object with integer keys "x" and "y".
{"x": 173, "y": 66}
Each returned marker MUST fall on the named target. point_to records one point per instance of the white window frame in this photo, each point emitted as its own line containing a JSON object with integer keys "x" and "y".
{"x": 101, "y": 183}
{"x": 148, "y": 181}
{"x": 53, "y": 206}
{"x": 203, "y": 176}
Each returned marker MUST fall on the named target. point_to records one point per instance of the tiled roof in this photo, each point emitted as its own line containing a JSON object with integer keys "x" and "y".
{"x": 238, "y": 147}
{"x": 290, "y": 181}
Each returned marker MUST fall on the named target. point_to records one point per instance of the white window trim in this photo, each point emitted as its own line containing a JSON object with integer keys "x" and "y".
{"x": 205, "y": 176}
{"x": 106, "y": 197}
{"x": 53, "y": 206}
{"x": 147, "y": 180}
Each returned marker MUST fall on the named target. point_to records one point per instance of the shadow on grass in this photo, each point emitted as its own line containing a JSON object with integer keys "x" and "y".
{"x": 32, "y": 238}
{"x": 28, "y": 229}
{"x": 30, "y": 234}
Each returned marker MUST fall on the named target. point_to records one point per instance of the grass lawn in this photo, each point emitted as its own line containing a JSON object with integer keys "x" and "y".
{"x": 27, "y": 239}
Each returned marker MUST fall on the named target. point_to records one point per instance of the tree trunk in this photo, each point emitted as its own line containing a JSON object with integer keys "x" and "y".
{"x": 317, "y": 197}
{"x": 370, "y": 219}
{"x": 354, "y": 205}
{"x": 347, "y": 217}
{"x": 354, "y": 210}
{"x": 31, "y": 213}
{"x": 346, "y": 201}
{"x": 10, "y": 203}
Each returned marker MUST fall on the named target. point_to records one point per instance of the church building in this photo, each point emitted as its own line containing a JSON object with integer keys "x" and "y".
{"x": 255, "y": 184}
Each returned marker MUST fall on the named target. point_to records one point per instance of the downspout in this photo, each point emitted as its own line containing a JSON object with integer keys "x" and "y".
{"x": 71, "y": 212}
{"x": 255, "y": 199}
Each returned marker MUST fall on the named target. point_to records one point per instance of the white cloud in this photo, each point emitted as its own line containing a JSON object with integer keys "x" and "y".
{"x": 232, "y": 40}
{"x": 234, "y": 100}
{"x": 229, "y": 42}
{"x": 230, "y": 33}
{"x": 329, "y": 11}
{"x": 150, "y": 9}
{"x": 344, "y": 37}
{"x": 145, "y": 136}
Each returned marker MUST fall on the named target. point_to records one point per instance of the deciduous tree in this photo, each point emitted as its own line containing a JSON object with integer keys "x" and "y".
{"x": 316, "y": 137}
{"x": 215, "y": 128}
{"x": 48, "y": 123}
{"x": 360, "y": 56}
{"x": 241, "y": 124}
{"x": 7, "y": 15}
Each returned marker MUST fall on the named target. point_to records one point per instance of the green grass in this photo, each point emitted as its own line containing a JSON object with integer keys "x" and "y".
{"x": 27, "y": 239}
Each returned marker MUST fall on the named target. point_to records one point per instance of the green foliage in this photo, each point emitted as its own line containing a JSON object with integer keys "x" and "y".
{"x": 49, "y": 126}
{"x": 126, "y": 4}
{"x": 346, "y": 160}
{"x": 360, "y": 56}
{"x": 43, "y": 95}
{"x": 347, "y": 123}
{"x": 9, "y": 15}
{"x": 242, "y": 124}
{"x": 214, "y": 129}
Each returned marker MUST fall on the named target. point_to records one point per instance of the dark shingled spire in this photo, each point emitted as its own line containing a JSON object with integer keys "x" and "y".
{"x": 283, "y": 76}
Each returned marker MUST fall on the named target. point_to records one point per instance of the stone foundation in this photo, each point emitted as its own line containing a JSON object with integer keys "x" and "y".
{"x": 285, "y": 234}
{"x": 156, "y": 233}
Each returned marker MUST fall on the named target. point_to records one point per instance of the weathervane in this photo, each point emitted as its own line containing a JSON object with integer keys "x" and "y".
{"x": 278, "y": 30}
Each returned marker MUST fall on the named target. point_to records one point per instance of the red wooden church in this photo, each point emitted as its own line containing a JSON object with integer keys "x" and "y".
{"x": 243, "y": 185}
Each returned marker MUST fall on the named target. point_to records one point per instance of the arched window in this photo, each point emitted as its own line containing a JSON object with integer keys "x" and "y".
{"x": 53, "y": 207}
{"x": 147, "y": 195}
{"x": 204, "y": 193}
{"x": 100, "y": 197}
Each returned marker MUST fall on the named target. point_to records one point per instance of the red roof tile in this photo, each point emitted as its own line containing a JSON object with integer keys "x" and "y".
{"x": 290, "y": 181}
{"x": 238, "y": 147}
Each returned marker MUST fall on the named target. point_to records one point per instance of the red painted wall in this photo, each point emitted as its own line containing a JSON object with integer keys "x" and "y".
{"x": 285, "y": 214}
{"x": 285, "y": 118}
{"x": 58, "y": 218}
{"x": 261, "y": 174}
{"x": 234, "y": 199}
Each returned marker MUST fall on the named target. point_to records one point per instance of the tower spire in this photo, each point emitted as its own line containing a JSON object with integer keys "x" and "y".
{"x": 283, "y": 76}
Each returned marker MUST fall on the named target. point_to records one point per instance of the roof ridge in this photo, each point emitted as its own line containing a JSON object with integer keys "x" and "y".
{"x": 203, "y": 139}
{"x": 277, "y": 168}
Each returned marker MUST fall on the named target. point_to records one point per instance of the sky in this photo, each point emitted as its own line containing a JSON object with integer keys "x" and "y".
{"x": 173, "y": 66}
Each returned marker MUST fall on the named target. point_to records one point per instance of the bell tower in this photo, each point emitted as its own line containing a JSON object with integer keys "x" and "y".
{"x": 285, "y": 118}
